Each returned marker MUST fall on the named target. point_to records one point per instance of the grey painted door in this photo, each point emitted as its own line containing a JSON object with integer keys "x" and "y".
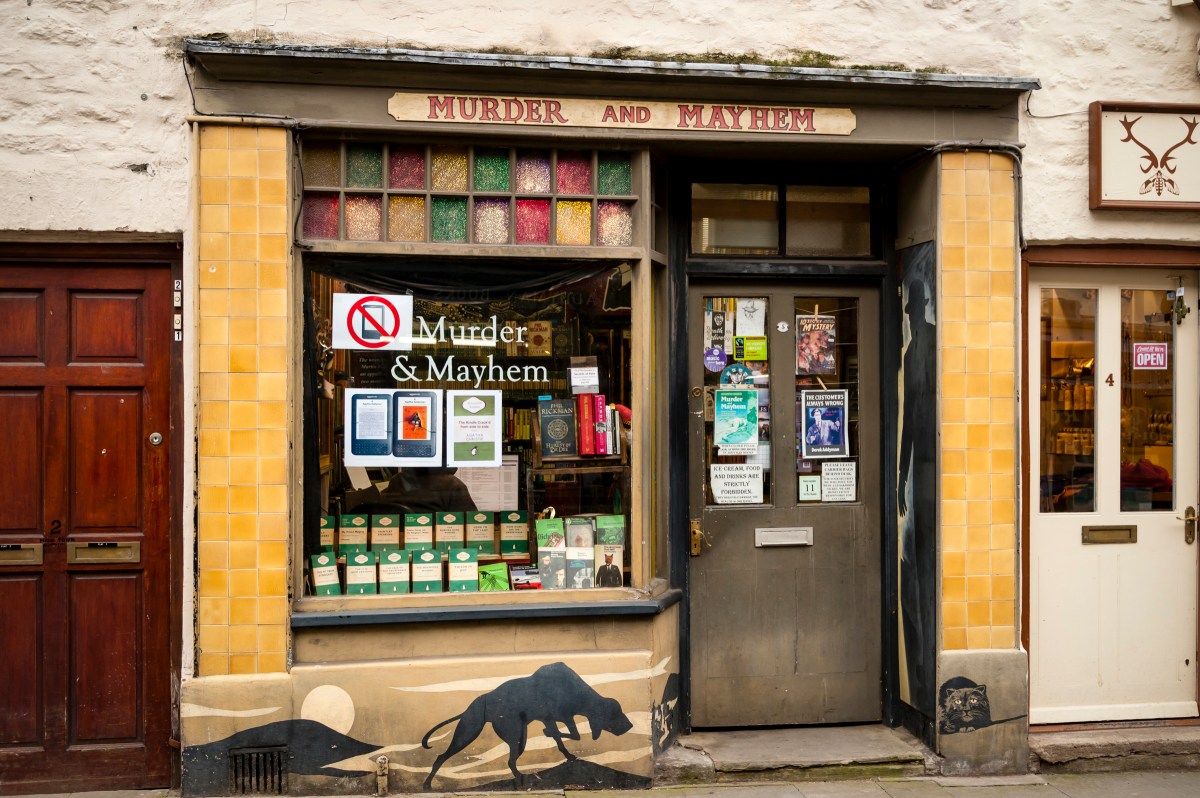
{"x": 784, "y": 481}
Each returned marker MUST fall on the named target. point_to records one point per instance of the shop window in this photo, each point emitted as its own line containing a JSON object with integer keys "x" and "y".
{"x": 392, "y": 192}
{"x": 468, "y": 425}
{"x": 744, "y": 219}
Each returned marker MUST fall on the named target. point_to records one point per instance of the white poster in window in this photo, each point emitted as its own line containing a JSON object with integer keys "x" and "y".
{"x": 736, "y": 483}
{"x": 474, "y": 431}
{"x": 494, "y": 489}
{"x": 372, "y": 321}
{"x": 393, "y": 428}
{"x": 839, "y": 481}
{"x": 808, "y": 487}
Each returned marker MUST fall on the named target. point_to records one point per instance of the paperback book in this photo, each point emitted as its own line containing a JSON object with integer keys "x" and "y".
{"x": 551, "y": 533}
{"x": 385, "y": 532}
{"x": 418, "y": 531}
{"x": 462, "y": 570}
{"x": 361, "y": 576}
{"x": 394, "y": 571}
{"x": 325, "y": 575}
{"x": 427, "y": 572}
{"x": 558, "y": 427}
{"x": 610, "y": 560}
{"x": 481, "y": 532}
{"x": 552, "y": 568}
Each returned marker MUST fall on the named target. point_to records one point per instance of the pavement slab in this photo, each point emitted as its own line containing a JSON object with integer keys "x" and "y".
{"x": 750, "y": 750}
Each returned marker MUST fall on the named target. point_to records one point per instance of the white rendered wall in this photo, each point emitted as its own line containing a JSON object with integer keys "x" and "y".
{"x": 81, "y": 150}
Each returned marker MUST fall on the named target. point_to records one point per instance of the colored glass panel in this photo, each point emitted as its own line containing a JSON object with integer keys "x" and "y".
{"x": 364, "y": 166}
{"x": 614, "y": 173}
{"x": 491, "y": 170}
{"x": 533, "y": 173}
{"x": 364, "y": 217}
{"x": 491, "y": 221}
{"x": 406, "y": 167}
{"x": 322, "y": 165}
{"x": 574, "y": 173}
{"x": 320, "y": 215}
{"x": 449, "y": 218}
{"x": 450, "y": 169}
{"x": 533, "y": 221}
{"x": 406, "y": 218}
{"x": 614, "y": 223}
{"x": 574, "y": 222}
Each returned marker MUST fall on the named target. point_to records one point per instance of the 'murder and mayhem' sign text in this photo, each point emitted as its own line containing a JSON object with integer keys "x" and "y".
{"x": 566, "y": 112}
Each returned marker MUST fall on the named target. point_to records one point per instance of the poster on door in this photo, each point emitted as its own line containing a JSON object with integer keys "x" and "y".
{"x": 735, "y": 421}
{"x": 822, "y": 422}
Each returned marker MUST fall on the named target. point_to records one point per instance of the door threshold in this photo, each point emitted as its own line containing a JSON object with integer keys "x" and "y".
{"x": 1094, "y": 747}
{"x": 805, "y": 753}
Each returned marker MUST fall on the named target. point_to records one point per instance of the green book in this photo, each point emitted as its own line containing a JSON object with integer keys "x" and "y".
{"x": 514, "y": 533}
{"x": 394, "y": 571}
{"x": 551, "y": 533}
{"x": 328, "y": 532}
{"x": 481, "y": 532}
{"x": 427, "y": 571}
{"x": 325, "y": 574}
{"x": 362, "y": 573}
{"x": 462, "y": 571}
{"x": 449, "y": 530}
{"x": 493, "y": 576}
{"x": 385, "y": 532}
{"x": 418, "y": 531}
{"x": 610, "y": 530}
{"x": 352, "y": 535}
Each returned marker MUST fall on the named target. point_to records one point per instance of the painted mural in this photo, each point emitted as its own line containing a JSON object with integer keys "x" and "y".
{"x": 594, "y": 722}
{"x": 917, "y": 483}
{"x": 963, "y": 706}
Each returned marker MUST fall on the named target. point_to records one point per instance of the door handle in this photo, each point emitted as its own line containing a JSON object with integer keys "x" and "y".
{"x": 698, "y": 538}
{"x": 1189, "y": 525}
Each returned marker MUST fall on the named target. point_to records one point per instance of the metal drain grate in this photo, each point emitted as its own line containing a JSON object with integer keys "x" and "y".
{"x": 258, "y": 771}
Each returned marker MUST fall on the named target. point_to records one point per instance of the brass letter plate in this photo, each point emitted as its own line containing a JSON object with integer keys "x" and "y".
{"x": 20, "y": 553}
{"x": 783, "y": 536}
{"x": 129, "y": 551}
{"x": 1110, "y": 534}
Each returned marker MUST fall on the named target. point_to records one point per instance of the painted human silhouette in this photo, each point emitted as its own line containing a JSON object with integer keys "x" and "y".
{"x": 918, "y": 472}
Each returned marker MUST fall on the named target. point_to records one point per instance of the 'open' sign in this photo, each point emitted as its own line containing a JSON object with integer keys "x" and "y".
{"x": 1149, "y": 356}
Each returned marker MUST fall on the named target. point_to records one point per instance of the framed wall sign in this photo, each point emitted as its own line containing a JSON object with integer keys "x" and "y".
{"x": 1144, "y": 156}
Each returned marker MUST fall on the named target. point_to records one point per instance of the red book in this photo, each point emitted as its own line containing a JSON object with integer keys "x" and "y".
{"x": 587, "y": 424}
{"x": 600, "y": 414}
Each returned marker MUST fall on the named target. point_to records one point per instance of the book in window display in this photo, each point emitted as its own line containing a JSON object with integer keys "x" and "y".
{"x": 581, "y": 566}
{"x": 525, "y": 577}
{"x": 462, "y": 570}
{"x": 552, "y": 568}
{"x": 427, "y": 572}
{"x": 352, "y": 534}
{"x": 610, "y": 559}
{"x": 579, "y": 532}
{"x": 514, "y": 534}
{"x": 385, "y": 532}
{"x": 816, "y": 338}
{"x": 551, "y": 533}
{"x": 328, "y": 532}
{"x": 558, "y": 427}
{"x": 325, "y": 578}
{"x": 418, "y": 531}
{"x": 481, "y": 531}
{"x": 361, "y": 573}
{"x": 449, "y": 530}
{"x": 493, "y": 577}
{"x": 394, "y": 574}
{"x": 610, "y": 530}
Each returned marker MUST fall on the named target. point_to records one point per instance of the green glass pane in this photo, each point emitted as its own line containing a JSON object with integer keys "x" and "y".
{"x": 615, "y": 174}
{"x": 491, "y": 170}
{"x": 364, "y": 165}
{"x": 449, "y": 219}
{"x": 322, "y": 165}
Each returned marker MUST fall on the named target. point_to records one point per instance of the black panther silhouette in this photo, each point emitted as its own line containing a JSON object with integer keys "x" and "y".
{"x": 551, "y": 695}
{"x": 964, "y": 706}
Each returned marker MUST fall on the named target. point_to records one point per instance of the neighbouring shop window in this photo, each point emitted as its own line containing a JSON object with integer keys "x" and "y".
{"x": 400, "y": 192}
{"x": 1068, "y": 400}
{"x": 469, "y": 428}
{"x": 744, "y": 219}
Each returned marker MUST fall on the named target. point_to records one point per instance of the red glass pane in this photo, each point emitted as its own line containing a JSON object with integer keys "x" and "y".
{"x": 533, "y": 221}
{"x": 406, "y": 167}
{"x": 320, "y": 215}
{"x": 574, "y": 173}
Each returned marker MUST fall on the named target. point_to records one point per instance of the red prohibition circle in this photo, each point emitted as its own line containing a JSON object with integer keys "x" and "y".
{"x": 388, "y": 336}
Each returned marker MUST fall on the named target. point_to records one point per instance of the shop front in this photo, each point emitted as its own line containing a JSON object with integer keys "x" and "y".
{"x": 550, "y": 409}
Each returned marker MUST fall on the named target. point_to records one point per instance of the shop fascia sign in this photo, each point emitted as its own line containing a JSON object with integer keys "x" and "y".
{"x": 565, "y": 112}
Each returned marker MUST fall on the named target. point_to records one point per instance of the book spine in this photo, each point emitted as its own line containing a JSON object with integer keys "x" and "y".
{"x": 616, "y": 430}
{"x": 587, "y": 424}
{"x": 600, "y": 414}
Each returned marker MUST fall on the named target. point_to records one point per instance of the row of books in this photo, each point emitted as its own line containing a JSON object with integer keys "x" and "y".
{"x": 505, "y": 533}
{"x": 583, "y": 425}
{"x": 393, "y": 570}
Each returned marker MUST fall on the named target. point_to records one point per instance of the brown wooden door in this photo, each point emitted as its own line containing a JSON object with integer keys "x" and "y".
{"x": 85, "y": 598}
{"x": 786, "y": 618}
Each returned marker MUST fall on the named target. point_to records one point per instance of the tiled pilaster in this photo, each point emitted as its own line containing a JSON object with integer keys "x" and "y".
{"x": 242, "y": 534}
{"x": 979, "y": 421}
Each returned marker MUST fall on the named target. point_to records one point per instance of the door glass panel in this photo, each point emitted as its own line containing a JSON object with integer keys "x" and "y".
{"x": 832, "y": 221}
{"x": 737, "y": 403}
{"x": 730, "y": 219}
{"x": 826, "y": 398}
{"x": 1068, "y": 400}
{"x": 1147, "y": 401}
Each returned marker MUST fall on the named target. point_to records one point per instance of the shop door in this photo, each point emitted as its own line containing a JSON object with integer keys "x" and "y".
{"x": 85, "y": 599}
{"x": 1113, "y": 434}
{"x": 784, "y": 472}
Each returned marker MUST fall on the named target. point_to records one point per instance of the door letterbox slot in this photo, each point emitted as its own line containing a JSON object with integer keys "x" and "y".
{"x": 1110, "y": 534}
{"x": 20, "y": 554}
{"x": 127, "y": 551}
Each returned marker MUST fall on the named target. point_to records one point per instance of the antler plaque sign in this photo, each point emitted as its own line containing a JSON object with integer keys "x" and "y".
{"x": 1145, "y": 156}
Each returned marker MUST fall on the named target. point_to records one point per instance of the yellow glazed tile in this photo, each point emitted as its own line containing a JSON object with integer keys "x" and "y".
{"x": 214, "y": 190}
{"x": 954, "y": 639}
{"x": 1001, "y": 284}
{"x": 243, "y": 387}
{"x": 274, "y": 662}
{"x": 273, "y": 443}
{"x": 273, "y": 581}
{"x": 243, "y": 442}
{"x": 976, "y": 387}
{"x": 1004, "y": 511}
{"x": 954, "y": 613}
{"x": 272, "y": 359}
{"x": 243, "y": 274}
{"x": 273, "y": 610}
{"x": 272, "y": 163}
{"x": 954, "y": 160}
{"x": 954, "y": 411}
{"x": 273, "y": 471}
{"x": 243, "y": 331}
{"x": 272, "y": 387}
{"x": 977, "y": 236}
{"x": 954, "y": 359}
{"x": 954, "y": 588}
{"x": 1002, "y": 234}
{"x": 243, "y": 359}
{"x": 1002, "y": 385}
{"x": 954, "y": 284}
{"x": 272, "y": 275}
{"x": 243, "y": 610}
{"x": 977, "y": 486}
{"x": 979, "y": 613}
{"x": 979, "y": 512}
{"x": 243, "y": 246}
{"x": 977, "y": 160}
{"x": 954, "y": 462}
{"x": 243, "y": 583}
{"x": 272, "y": 415}
{"x": 978, "y": 181}
{"x": 953, "y": 258}
{"x": 213, "y": 525}
{"x": 214, "y": 219}
{"x": 213, "y": 639}
{"x": 978, "y": 410}
{"x": 999, "y": 161}
{"x": 241, "y": 664}
{"x": 1003, "y": 537}
{"x": 243, "y": 638}
{"x": 272, "y": 191}
{"x": 272, "y": 639}
{"x": 214, "y": 137}
{"x": 979, "y": 588}
{"x": 212, "y": 555}
{"x": 243, "y": 191}
{"x": 273, "y": 554}
{"x": 243, "y": 471}
{"x": 243, "y": 163}
{"x": 273, "y": 498}
{"x": 212, "y": 611}
{"x": 954, "y": 486}
{"x": 272, "y": 302}
{"x": 954, "y": 208}
{"x": 214, "y": 246}
{"x": 978, "y": 257}
{"x": 954, "y": 511}
{"x": 1001, "y": 184}
{"x": 976, "y": 638}
{"x": 978, "y": 283}
{"x": 1003, "y": 410}
{"x": 979, "y": 208}
{"x": 243, "y": 554}
{"x": 954, "y": 538}
{"x": 214, "y": 415}
{"x": 214, "y": 583}
{"x": 213, "y": 443}
{"x": 978, "y": 539}
{"x": 954, "y": 563}
{"x": 213, "y": 664}
{"x": 213, "y": 499}
{"x": 213, "y": 470}
{"x": 214, "y": 163}
{"x": 243, "y": 499}
{"x": 954, "y": 181}
{"x": 244, "y": 526}
{"x": 1004, "y": 637}
{"x": 954, "y": 436}
{"x": 243, "y": 138}
{"x": 272, "y": 138}
{"x": 954, "y": 234}
{"x": 273, "y": 526}
{"x": 214, "y": 358}
{"x": 1003, "y": 208}
{"x": 273, "y": 219}
{"x": 1003, "y": 587}
{"x": 979, "y": 563}
{"x": 242, "y": 219}
{"x": 214, "y": 302}
{"x": 214, "y": 274}
{"x": 1003, "y": 613}
{"x": 214, "y": 330}
{"x": 1003, "y": 485}
{"x": 1003, "y": 259}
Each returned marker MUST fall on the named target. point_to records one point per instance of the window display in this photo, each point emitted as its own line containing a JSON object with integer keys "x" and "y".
{"x": 470, "y": 427}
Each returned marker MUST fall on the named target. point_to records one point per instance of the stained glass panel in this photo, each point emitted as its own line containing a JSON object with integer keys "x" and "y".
{"x": 533, "y": 221}
{"x": 449, "y": 218}
{"x": 491, "y": 170}
{"x": 614, "y": 224}
{"x": 364, "y": 165}
{"x": 450, "y": 169}
{"x": 320, "y": 215}
{"x": 574, "y": 173}
{"x": 614, "y": 173}
{"x": 533, "y": 173}
{"x": 406, "y": 219}
{"x": 406, "y": 167}
{"x": 574, "y": 222}
{"x": 364, "y": 217}
{"x": 491, "y": 221}
{"x": 322, "y": 165}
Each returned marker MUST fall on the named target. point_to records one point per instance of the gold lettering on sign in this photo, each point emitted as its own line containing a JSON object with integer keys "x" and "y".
{"x": 619, "y": 114}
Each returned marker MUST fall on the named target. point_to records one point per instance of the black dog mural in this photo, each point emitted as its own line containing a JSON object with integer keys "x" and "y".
{"x": 551, "y": 695}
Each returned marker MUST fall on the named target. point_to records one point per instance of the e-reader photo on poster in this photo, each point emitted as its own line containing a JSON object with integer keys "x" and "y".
{"x": 822, "y": 424}
{"x": 816, "y": 339}
{"x": 393, "y": 428}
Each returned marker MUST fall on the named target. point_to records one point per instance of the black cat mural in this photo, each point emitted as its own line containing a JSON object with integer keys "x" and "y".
{"x": 551, "y": 695}
{"x": 963, "y": 707}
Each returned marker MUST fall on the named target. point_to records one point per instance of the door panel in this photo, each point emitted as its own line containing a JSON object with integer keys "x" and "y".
{"x": 87, "y": 649}
{"x": 786, "y": 632}
{"x": 1113, "y": 593}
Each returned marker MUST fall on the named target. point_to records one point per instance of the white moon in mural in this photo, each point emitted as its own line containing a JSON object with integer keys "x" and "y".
{"x": 330, "y": 705}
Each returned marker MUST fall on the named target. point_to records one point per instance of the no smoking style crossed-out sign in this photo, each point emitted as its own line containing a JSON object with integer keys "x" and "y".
{"x": 372, "y": 321}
